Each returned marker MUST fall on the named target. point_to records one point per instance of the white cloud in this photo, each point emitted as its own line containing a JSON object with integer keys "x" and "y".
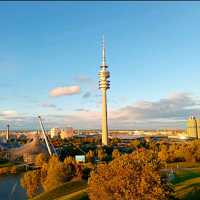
{"x": 47, "y": 105}
{"x": 169, "y": 112}
{"x": 8, "y": 113}
{"x": 62, "y": 91}
{"x": 82, "y": 79}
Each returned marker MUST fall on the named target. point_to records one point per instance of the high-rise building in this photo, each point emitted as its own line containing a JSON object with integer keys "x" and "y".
{"x": 67, "y": 132}
{"x": 104, "y": 84}
{"x": 193, "y": 127}
{"x": 55, "y": 132}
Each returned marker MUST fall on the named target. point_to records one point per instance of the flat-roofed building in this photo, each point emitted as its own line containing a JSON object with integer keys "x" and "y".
{"x": 55, "y": 132}
{"x": 67, "y": 132}
{"x": 193, "y": 127}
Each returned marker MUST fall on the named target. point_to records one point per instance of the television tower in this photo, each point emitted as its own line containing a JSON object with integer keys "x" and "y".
{"x": 104, "y": 84}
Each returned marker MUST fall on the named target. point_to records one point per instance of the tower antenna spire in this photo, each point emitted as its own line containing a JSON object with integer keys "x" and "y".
{"x": 103, "y": 53}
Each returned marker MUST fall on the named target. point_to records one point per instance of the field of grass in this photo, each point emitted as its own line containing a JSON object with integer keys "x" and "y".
{"x": 183, "y": 165}
{"x": 80, "y": 195}
{"x": 6, "y": 164}
{"x": 187, "y": 184}
{"x": 75, "y": 188}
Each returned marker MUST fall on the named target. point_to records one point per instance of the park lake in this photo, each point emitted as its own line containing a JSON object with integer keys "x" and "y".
{"x": 10, "y": 188}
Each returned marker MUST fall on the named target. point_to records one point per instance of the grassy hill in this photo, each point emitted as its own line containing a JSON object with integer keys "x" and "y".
{"x": 68, "y": 191}
{"x": 187, "y": 184}
{"x": 80, "y": 195}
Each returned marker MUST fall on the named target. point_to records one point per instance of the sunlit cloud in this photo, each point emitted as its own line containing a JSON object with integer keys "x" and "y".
{"x": 64, "y": 91}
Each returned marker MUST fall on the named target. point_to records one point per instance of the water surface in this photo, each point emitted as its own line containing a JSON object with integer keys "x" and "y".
{"x": 10, "y": 188}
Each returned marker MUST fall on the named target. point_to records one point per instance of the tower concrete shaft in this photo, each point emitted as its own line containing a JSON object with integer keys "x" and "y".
{"x": 104, "y": 118}
{"x": 104, "y": 84}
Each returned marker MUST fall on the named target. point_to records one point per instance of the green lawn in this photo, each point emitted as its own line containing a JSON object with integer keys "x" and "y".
{"x": 64, "y": 191}
{"x": 187, "y": 184}
{"x": 6, "y": 164}
{"x": 80, "y": 195}
{"x": 183, "y": 165}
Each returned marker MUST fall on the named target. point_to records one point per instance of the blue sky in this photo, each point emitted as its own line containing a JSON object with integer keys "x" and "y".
{"x": 152, "y": 52}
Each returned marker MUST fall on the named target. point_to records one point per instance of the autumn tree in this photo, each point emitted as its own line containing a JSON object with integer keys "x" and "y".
{"x": 115, "y": 141}
{"x": 69, "y": 160}
{"x": 163, "y": 153}
{"x": 101, "y": 154}
{"x": 134, "y": 176}
{"x": 72, "y": 167}
{"x": 189, "y": 155}
{"x": 13, "y": 170}
{"x": 116, "y": 153}
{"x": 135, "y": 144}
{"x": 56, "y": 174}
{"x": 40, "y": 159}
{"x": 197, "y": 150}
{"x": 43, "y": 172}
{"x": 31, "y": 182}
{"x": 90, "y": 156}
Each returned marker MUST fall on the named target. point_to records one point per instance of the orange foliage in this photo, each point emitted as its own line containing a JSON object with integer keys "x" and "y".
{"x": 135, "y": 176}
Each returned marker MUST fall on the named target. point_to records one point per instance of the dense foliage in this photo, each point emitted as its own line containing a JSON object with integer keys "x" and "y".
{"x": 135, "y": 176}
{"x": 50, "y": 174}
{"x": 130, "y": 171}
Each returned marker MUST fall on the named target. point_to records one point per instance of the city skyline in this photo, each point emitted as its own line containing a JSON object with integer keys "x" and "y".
{"x": 51, "y": 52}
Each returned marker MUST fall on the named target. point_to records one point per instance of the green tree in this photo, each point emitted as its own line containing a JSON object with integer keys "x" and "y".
{"x": 134, "y": 176}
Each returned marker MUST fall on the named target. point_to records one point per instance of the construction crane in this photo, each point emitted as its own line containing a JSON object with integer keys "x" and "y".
{"x": 49, "y": 145}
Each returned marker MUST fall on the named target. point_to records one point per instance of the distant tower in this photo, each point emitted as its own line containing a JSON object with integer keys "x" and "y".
{"x": 8, "y": 132}
{"x": 193, "y": 127}
{"x": 104, "y": 84}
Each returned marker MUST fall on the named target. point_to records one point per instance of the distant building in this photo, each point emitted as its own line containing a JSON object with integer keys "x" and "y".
{"x": 8, "y": 132}
{"x": 55, "y": 132}
{"x": 193, "y": 127}
{"x": 67, "y": 133}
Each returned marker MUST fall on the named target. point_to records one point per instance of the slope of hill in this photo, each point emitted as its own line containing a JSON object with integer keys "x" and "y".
{"x": 80, "y": 195}
{"x": 187, "y": 184}
{"x": 69, "y": 188}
